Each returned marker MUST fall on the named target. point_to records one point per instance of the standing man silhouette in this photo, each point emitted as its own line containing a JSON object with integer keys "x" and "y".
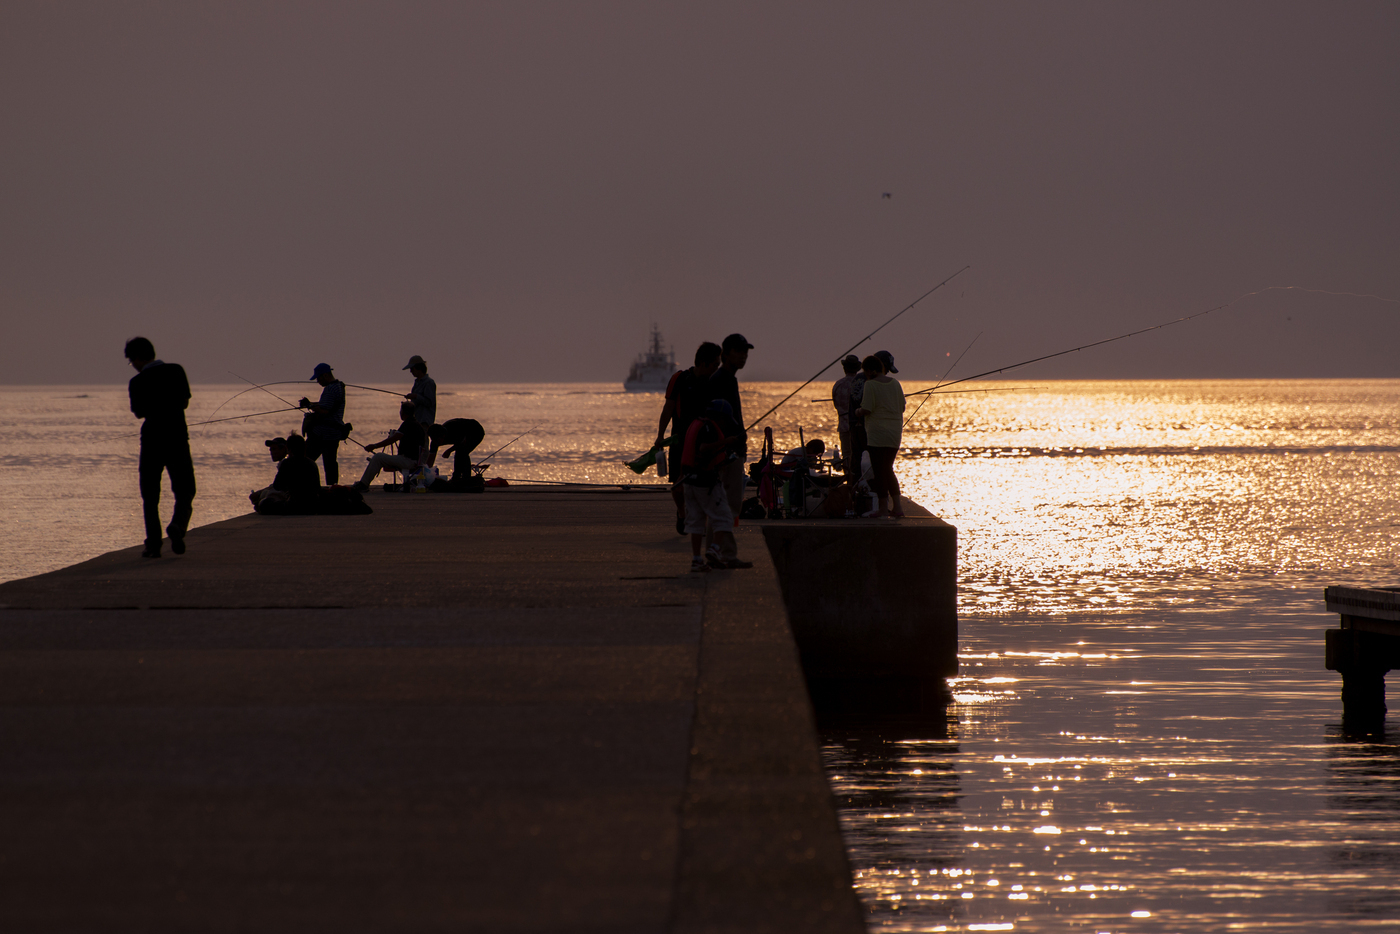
{"x": 159, "y": 394}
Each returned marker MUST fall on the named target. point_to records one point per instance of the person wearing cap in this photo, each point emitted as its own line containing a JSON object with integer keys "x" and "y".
{"x": 882, "y": 405}
{"x": 841, "y": 398}
{"x": 707, "y": 451}
{"x": 160, "y": 393}
{"x": 724, "y": 384}
{"x": 297, "y": 480}
{"x": 423, "y": 395}
{"x": 324, "y": 425}
{"x": 411, "y": 438}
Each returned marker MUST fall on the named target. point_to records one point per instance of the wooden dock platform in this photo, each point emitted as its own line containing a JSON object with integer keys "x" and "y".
{"x": 1364, "y": 650}
{"x": 507, "y": 712}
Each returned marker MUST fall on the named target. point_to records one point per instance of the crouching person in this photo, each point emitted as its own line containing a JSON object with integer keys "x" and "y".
{"x": 706, "y": 451}
{"x": 297, "y": 487}
{"x": 410, "y": 438}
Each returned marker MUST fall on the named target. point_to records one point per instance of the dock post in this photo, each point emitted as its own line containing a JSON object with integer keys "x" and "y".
{"x": 1364, "y": 649}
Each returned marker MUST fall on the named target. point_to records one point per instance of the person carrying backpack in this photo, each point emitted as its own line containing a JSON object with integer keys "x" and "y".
{"x": 707, "y": 450}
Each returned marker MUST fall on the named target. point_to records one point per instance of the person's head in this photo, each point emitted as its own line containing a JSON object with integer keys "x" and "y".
{"x": 815, "y": 448}
{"x": 887, "y": 361}
{"x": 707, "y": 358}
{"x": 276, "y": 448}
{"x": 719, "y": 408}
{"x": 872, "y": 367}
{"x": 435, "y": 433}
{"x": 405, "y": 410}
{"x": 850, "y": 364}
{"x": 296, "y": 445}
{"x": 323, "y": 374}
{"x": 139, "y": 352}
{"x": 734, "y": 352}
{"x": 417, "y": 367}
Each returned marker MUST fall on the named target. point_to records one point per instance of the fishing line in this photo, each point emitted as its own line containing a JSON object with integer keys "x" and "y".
{"x": 1158, "y": 327}
{"x": 945, "y": 375}
{"x": 857, "y": 344}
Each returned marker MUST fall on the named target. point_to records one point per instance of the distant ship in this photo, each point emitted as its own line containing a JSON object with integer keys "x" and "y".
{"x": 651, "y": 371}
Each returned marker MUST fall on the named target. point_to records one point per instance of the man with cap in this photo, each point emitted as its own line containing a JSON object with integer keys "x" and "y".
{"x": 159, "y": 393}
{"x": 324, "y": 425}
{"x": 724, "y": 384}
{"x": 423, "y": 395}
{"x": 841, "y": 398}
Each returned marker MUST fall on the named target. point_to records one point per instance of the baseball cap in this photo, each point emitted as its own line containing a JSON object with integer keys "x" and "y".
{"x": 274, "y": 442}
{"x": 320, "y": 368}
{"x": 721, "y": 407}
{"x": 887, "y": 359}
{"x": 414, "y": 361}
{"x": 736, "y": 342}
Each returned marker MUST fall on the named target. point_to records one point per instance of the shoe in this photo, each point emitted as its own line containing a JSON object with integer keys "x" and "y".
{"x": 897, "y": 515}
{"x": 359, "y": 487}
{"x": 177, "y": 545}
{"x": 680, "y": 523}
{"x": 872, "y": 514}
{"x": 713, "y": 559}
{"x": 698, "y": 566}
{"x": 735, "y": 564}
{"x": 151, "y": 553}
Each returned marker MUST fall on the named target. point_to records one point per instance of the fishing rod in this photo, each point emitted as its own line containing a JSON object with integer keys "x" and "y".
{"x": 387, "y": 392}
{"x": 280, "y": 382}
{"x": 234, "y": 418}
{"x": 265, "y": 389}
{"x": 946, "y": 373}
{"x": 484, "y": 462}
{"x": 1167, "y": 324}
{"x": 857, "y": 344}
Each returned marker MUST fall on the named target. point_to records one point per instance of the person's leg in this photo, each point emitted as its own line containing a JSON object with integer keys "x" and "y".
{"x": 693, "y": 499}
{"x": 377, "y": 462}
{"x": 329, "y": 461}
{"x": 722, "y": 522}
{"x": 892, "y": 483}
{"x": 181, "y": 467}
{"x": 733, "y": 475}
{"x": 845, "y": 464}
{"x": 150, "y": 469}
{"x": 882, "y": 469}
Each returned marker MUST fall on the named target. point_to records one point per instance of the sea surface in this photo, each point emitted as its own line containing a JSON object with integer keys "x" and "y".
{"x": 1143, "y": 738}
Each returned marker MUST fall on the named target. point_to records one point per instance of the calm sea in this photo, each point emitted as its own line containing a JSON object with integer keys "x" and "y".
{"x": 1144, "y": 738}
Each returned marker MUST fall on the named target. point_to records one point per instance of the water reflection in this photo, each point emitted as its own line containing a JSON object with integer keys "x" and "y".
{"x": 1127, "y": 772}
{"x": 1364, "y": 795}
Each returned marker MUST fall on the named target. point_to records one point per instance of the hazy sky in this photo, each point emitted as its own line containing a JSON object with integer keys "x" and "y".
{"x": 517, "y": 190}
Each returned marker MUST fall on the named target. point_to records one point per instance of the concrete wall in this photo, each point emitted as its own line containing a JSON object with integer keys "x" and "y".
{"x": 873, "y": 609}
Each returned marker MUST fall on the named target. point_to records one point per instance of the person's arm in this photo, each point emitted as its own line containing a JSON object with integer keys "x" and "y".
{"x": 393, "y": 436}
{"x": 668, "y": 411}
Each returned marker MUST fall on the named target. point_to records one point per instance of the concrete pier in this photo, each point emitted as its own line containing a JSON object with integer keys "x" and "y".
{"x": 506, "y": 712}
{"x": 873, "y": 609}
{"x": 1364, "y": 649}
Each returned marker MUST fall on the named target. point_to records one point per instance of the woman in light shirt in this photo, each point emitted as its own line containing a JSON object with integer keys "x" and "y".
{"x": 883, "y": 408}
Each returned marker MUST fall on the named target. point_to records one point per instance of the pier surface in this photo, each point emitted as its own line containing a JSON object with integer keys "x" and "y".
{"x": 509, "y": 712}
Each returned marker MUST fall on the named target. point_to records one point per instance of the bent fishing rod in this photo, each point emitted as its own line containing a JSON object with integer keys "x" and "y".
{"x": 857, "y": 344}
